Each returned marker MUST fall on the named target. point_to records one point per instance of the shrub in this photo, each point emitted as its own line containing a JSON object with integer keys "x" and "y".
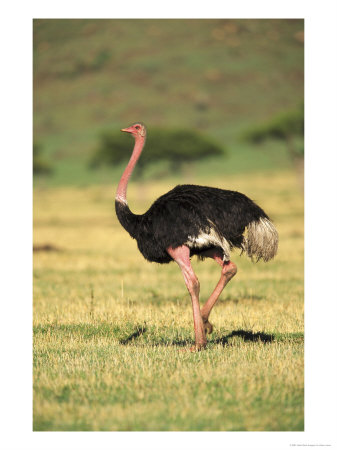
{"x": 286, "y": 127}
{"x": 177, "y": 146}
{"x": 40, "y": 165}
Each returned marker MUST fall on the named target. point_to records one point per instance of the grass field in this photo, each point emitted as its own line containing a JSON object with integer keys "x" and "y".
{"x": 109, "y": 327}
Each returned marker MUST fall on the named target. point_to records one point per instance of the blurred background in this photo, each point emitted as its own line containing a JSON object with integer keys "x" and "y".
{"x": 218, "y": 97}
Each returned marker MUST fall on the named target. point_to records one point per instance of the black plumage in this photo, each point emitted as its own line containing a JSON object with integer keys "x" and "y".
{"x": 186, "y": 212}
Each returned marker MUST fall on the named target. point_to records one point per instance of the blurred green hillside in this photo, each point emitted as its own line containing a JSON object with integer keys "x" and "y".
{"x": 216, "y": 76}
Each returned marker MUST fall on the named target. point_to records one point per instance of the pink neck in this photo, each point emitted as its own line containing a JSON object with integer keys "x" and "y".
{"x": 123, "y": 183}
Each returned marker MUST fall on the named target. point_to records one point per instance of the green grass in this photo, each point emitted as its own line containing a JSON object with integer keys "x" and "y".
{"x": 242, "y": 158}
{"x": 110, "y": 329}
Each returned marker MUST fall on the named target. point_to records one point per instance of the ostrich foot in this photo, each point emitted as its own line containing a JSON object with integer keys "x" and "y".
{"x": 194, "y": 349}
{"x": 208, "y": 327}
{"x": 197, "y": 348}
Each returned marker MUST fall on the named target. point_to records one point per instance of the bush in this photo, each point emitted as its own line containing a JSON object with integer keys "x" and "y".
{"x": 40, "y": 165}
{"x": 286, "y": 127}
{"x": 176, "y": 146}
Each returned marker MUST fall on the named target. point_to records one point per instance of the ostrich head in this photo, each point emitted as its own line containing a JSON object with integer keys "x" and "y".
{"x": 137, "y": 129}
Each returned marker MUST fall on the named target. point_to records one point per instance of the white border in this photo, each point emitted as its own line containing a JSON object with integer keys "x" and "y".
{"x": 16, "y": 229}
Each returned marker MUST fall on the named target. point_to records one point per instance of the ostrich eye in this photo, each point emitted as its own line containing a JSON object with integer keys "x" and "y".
{"x": 137, "y": 127}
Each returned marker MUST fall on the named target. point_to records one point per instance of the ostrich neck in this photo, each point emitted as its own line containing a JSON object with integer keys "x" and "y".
{"x": 123, "y": 183}
{"x": 127, "y": 219}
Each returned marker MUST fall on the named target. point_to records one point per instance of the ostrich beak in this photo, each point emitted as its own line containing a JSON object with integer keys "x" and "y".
{"x": 127, "y": 130}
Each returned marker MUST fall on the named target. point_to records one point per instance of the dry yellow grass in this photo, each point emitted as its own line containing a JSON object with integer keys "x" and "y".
{"x": 97, "y": 290}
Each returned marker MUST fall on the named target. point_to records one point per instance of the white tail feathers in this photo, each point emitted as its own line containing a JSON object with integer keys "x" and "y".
{"x": 260, "y": 240}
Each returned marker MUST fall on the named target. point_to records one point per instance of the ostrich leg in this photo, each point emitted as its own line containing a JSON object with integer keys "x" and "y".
{"x": 228, "y": 271}
{"x": 181, "y": 255}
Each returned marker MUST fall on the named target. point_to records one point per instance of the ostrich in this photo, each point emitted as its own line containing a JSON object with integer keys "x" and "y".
{"x": 196, "y": 220}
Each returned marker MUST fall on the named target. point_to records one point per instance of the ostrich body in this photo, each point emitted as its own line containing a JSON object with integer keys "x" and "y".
{"x": 196, "y": 220}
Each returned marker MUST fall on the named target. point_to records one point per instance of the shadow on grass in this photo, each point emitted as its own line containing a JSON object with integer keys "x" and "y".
{"x": 225, "y": 340}
{"x": 136, "y": 334}
{"x": 247, "y": 336}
